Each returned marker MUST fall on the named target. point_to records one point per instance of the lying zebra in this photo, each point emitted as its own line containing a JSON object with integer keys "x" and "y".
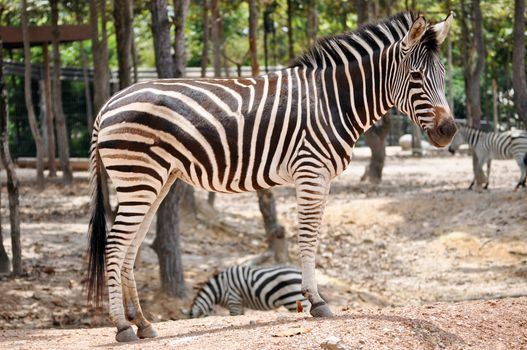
{"x": 493, "y": 145}
{"x": 257, "y": 288}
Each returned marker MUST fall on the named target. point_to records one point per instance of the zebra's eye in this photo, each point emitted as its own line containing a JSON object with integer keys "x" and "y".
{"x": 416, "y": 75}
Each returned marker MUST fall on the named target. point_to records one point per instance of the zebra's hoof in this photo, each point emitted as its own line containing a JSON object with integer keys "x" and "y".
{"x": 320, "y": 309}
{"x": 147, "y": 332}
{"x": 125, "y": 335}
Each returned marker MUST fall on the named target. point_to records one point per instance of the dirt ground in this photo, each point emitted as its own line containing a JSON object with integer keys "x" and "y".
{"x": 394, "y": 262}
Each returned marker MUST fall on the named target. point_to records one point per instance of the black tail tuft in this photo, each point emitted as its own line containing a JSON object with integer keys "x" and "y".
{"x": 525, "y": 159}
{"x": 97, "y": 245}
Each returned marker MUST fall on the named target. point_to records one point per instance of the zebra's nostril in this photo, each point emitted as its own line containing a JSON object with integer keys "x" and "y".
{"x": 447, "y": 128}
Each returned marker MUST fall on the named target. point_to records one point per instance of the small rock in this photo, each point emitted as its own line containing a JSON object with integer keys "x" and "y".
{"x": 332, "y": 343}
{"x": 252, "y": 323}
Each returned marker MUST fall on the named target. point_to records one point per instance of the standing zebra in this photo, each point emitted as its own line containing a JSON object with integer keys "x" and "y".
{"x": 257, "y": 288}
{"x": 494, "y": 145}
{"x": 294, "y": 126}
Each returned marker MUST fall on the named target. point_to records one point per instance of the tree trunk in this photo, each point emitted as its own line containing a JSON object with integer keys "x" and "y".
{"x": 5, "y": 265}
{"x": 101, "y": 71}
{"x": 450, "y": 67}
{"x": 375, "y": 138}
{"x": 49, "y": 113}
{"x": 290, "y": 43}
{"x": 215, "y": 36}
{"x": 87, "y": 90}
{"x": 312, "y": 22}
{"x": 123, "y": 19}
{"x": 161, "y": 36}
{"x": 472, "y": 70}
{"x": 29, "y": 102}
{"x": 180, "y": 17}
{"x": 362, "y": 14}
{"x": 518, "y": 61}
{"x": 12, "y": 181}
{"x": 167, "y": 241}
{"x": 417, "y": 149}
{"x": 58, "y": 112}
{"x": 206, "y": 31}
{"x": 253, "y": 29}
{"x": 274, "y": 231}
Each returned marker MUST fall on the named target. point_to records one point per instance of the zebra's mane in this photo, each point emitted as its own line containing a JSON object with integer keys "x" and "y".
{"x": 398, "y": 25}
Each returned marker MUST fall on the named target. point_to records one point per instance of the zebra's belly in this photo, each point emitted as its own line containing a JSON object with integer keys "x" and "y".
{"x": 233, "y": 183}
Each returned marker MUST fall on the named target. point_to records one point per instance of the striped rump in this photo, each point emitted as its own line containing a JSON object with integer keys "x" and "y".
{"x": 257, "y": 288}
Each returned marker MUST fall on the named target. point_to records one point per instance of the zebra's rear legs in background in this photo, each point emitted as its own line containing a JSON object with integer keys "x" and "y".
{"x": 312, "y": 191}
{"x": 126, "y": 310}
{"x": 522, "y": 163}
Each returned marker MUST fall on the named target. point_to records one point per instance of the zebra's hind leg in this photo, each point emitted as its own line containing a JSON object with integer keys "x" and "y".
{"x": 523, "y": 176}
{"x": 132, "y": 305}
{"x": 311, "y": 191}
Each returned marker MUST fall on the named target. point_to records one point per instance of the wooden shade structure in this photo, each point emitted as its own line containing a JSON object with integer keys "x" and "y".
{"x": 42, "y": 35}
{"x": 12, "y": 38}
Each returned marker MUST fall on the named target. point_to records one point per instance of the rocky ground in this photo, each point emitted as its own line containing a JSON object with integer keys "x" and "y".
{"x": 388, "y": 255}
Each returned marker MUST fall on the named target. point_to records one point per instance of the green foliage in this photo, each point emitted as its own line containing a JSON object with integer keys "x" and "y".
{"x": 333, "y": 17}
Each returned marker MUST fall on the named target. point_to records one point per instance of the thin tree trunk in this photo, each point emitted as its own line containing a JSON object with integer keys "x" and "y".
{"x": 417, "y": 148}
{"x": 161, "y": 36}
{"x": 206, "y": 31}
{"x": 495, "y": 104}
{"x": 167, "y": 241}
{"x": 180, "y": 17}
{"x": 290, "y": 43}
{"x": 450, "y": 67}
{"x": 87, "y": 89}
{"x": 215, "y": 36}
{"x": 253, "y": 28}
{"x": 5, "y": 264}
{"x": 312, "y": 22}
{"x": 101, "y": 72}
{"x": 35, "y": 131}
{"x": 473, "y": 69}
{"x": 123, "y": 20}
{"x": 49, "y": 113}
{"x": 58, "y": 112}
{"x": 134, "y": 60}
{"x": 518, "y": 61}
{"x": 274, "y": 231}
{"x": 12, "y": 181}
{"x": 375, "y": 138}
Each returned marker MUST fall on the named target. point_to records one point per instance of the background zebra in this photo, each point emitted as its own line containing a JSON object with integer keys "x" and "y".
{"x": 294, "y": 126}
{"x": 257, "y": 288}
{"x": 494, "y": 145}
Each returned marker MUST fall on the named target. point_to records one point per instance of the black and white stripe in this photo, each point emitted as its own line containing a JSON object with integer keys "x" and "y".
{"x": 295, "y": 126}
{"x": 257, "y": 288}
{"x": 494, "y": 145}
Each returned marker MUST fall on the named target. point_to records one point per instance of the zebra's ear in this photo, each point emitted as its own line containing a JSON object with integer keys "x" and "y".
{"x": 442, "y": 28}
{"x": 415, "y": 33}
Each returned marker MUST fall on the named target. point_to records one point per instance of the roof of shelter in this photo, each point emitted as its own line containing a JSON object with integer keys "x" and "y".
{"x": 39, "y": 35}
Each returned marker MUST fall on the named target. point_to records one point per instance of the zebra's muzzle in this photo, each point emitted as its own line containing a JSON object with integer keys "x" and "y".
{"x": 443, "y": 133}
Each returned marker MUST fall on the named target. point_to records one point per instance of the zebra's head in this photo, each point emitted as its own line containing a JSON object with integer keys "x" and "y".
{"x": 419, "y": 83}
{"x": 210, "y": 294}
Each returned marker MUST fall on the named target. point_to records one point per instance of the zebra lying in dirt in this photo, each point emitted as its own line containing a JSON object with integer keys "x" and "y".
{"x": 257, "y": 288}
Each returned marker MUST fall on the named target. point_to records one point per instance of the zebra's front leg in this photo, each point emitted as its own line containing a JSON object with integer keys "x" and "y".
{"x": 312, "y": 191}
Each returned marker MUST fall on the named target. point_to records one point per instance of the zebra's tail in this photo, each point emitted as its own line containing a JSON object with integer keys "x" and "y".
{"x": 97, "y": 226}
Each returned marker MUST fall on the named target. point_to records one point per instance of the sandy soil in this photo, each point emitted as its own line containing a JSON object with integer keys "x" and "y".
{"x": 387, "y": 253}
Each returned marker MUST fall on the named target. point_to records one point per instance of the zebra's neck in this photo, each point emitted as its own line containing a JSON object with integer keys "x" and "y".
{"x": 472, "y": 135}
{"x": 355, "y": 73}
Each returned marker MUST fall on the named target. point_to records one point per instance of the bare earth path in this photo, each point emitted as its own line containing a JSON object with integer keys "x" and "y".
{"x": 417, "y": 262}
{"x": 488, "y": 324}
